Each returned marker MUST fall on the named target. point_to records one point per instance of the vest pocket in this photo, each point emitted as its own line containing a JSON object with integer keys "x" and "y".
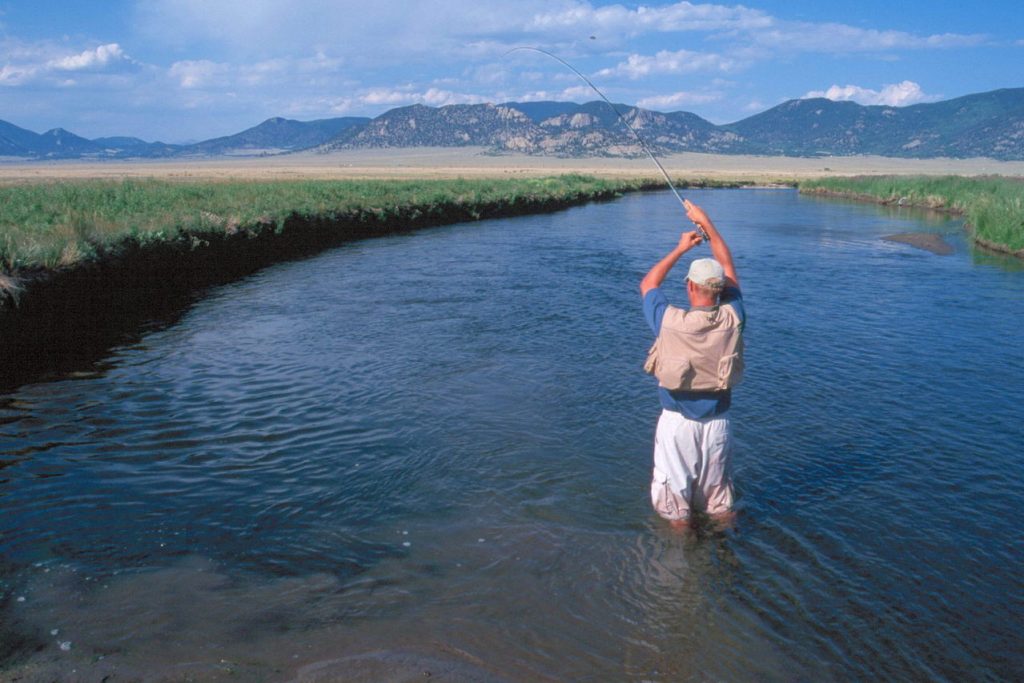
{"x": 652, "y": 358}
{"x": 673, "y": 372}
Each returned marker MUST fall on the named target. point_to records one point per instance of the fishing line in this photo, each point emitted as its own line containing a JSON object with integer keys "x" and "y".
{"x": 622, "y": 118}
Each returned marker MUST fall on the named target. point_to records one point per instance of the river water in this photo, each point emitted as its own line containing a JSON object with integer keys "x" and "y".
{"x": 430, "y": 454}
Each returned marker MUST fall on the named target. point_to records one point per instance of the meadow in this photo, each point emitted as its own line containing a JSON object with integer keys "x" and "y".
{"x": 992, "y": 206}
{"x": 59, "y": 224}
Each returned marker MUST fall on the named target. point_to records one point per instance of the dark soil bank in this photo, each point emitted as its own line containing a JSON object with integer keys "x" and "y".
{"x": 63, "y": 320}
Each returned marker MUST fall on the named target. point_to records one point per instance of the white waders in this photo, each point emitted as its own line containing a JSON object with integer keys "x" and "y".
{"x": 692, "y": 466}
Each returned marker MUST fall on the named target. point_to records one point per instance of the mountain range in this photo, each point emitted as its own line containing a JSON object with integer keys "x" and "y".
{"x": 989, "y": 124}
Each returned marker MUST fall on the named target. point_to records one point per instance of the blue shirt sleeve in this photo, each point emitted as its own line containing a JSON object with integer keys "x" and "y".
{"x": 731, "y": 296}
{"x": 655, "y": 305}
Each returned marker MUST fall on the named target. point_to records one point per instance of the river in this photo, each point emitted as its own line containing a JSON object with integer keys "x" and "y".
{"x": 429, "y": 454}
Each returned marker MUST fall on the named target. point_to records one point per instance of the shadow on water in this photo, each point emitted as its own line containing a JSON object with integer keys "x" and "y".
{"x": 78, "y": 342}
{"x": 71, "y": 320}
{"x": 1004, "y": 262}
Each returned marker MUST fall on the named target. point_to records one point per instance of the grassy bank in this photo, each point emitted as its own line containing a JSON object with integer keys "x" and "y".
{"x": 61, "y": 224}
{"x": 84, "y": 265}
{"x": 992, "y": 206}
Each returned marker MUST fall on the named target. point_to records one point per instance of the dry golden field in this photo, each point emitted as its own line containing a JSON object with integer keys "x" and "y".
{"x": 474, "y": 162}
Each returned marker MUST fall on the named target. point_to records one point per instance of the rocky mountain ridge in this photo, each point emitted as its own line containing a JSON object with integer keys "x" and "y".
{"x": 987, "y": 124}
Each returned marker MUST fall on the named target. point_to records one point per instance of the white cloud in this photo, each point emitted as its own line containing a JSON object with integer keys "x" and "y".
{"x": 98, "y": 57}
{"x": 244, "y": 60}
{"x": 200, "y": 73}
{"x": 282, "y": 72}
{"x": 450, "y": 30}
{"x": 667, "y": 62}
{"x": 676, "y": 100}
{"x": 575, "y": 93}
{"x": 892, "y": 95}
{"x": 14, "y": 74}
{"x": 47, "y": 62}
{"x": 433, "y": 97}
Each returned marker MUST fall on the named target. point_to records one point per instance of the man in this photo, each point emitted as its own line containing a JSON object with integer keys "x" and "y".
{"x": 697, "y": 358}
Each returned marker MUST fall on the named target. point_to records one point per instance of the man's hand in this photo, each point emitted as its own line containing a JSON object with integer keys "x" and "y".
{"x": 688, "y": 240}
{"x": 656, "y": 275}
{"x": 696, "y": 214}
{"x": 719, "y": 249}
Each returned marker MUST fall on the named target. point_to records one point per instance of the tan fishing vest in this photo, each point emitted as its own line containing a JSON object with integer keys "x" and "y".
{"x": 698, "y": 350}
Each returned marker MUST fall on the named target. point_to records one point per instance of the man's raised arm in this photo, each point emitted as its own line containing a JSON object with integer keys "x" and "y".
{"x": 719, "y": 249}
{"x": 657, "y": 274}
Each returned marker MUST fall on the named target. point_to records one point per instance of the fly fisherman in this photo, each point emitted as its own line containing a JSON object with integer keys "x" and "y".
{"x": 697, "y": 358}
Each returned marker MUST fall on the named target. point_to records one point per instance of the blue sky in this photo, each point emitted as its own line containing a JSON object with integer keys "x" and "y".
{"x": 176, "y": 70}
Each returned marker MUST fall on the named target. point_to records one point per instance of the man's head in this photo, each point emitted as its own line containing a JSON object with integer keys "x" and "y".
{"x": 705, "y": 281}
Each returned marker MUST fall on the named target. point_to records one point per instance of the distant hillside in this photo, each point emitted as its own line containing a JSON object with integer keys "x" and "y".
{"x": 555, "y": 128}
{"x": 987, "y": 124}
{"x": 984, "y": 125}
{"x": 419, "y": 126}
{"x": 277, "y": 135}
{"x": 273, "y": 136}
{"x": 16, "y": 141}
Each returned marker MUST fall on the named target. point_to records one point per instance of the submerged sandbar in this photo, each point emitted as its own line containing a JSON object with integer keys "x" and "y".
{"x": 929, "y": 241}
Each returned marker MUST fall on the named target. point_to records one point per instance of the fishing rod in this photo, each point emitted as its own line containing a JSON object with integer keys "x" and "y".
{"x": 643, "y": 143}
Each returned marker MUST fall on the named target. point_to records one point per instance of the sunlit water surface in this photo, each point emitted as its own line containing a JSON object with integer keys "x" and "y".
{"x": 430, "y": 454}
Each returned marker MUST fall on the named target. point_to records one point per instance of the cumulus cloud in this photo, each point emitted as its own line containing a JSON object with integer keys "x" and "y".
{"x": 892, "y": 95}
{"x": 44, "y": 61}
{"x": 668, "y": 62}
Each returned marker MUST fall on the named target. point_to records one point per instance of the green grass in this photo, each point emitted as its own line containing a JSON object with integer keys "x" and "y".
{"x": 993, "y": 206}
{"x": 59, "y": 224}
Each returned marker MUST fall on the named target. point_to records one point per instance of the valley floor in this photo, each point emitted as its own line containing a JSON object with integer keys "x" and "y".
{"x": 475, "y": 162}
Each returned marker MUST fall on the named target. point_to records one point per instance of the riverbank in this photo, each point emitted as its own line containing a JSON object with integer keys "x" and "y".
{"x": 90, "y": 250}
{"x": 83, "y": 262}
{"x": 992, "y": 206}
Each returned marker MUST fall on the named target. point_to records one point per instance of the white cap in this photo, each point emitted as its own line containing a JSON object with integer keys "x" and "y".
{"x": 706, "y": 271}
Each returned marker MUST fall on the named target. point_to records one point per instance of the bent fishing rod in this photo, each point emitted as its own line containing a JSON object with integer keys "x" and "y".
{"x": 643, "y": 143}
